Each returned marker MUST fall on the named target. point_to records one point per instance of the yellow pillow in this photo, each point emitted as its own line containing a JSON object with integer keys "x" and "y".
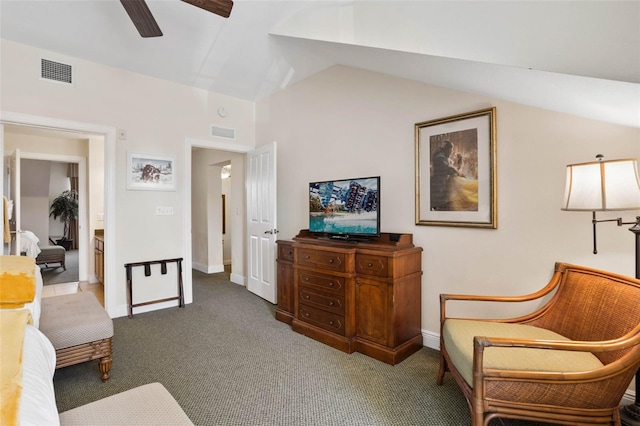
{"x": 17, "y": 281}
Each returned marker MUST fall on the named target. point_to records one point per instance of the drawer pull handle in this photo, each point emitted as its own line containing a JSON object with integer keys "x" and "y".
{"x": 306, "y": 278}
{"x": 306, "y": 258}
{"x": 306, "y": 296}
{"x": 331, "y": 284}
{"x": 306, "y": 315}
{"x": 331, "y": 303}
{"x": 330, "y": 322}
{"x": 369, "y": 265}
{"x": 290, "y": 252}
{"x": 330, "y": 260}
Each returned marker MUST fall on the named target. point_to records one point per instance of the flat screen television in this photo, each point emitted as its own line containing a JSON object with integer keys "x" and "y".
{"x": 345, "y": 208}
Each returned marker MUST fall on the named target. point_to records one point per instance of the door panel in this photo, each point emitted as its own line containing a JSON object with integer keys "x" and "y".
{"x": 261, "y": 221}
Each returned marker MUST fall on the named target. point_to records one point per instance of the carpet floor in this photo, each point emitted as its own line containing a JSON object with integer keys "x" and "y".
{"x": 57, "y": 275}
{"x": 227, "y": 361}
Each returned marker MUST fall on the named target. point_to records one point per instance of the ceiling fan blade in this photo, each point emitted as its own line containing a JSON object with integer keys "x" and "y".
{"x": 142, "y": 18}
{"x": 219, "y": 7}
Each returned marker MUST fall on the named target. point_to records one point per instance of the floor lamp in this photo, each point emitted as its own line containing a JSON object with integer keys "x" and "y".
{"x": 608, "y": 186}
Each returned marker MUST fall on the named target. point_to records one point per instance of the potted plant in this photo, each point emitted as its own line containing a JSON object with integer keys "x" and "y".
{"x": 65, "y": 207}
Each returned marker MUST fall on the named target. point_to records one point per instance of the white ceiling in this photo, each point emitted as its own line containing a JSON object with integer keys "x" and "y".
{"x": 579, "y": 57}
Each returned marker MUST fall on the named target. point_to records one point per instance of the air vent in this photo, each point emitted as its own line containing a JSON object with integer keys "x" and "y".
{"x": 223, "y": 132}
{"x": 56, "y": 71}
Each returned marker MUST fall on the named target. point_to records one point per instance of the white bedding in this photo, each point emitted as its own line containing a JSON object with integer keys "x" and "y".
{"x": 29, "y": 244}
{"x": 38, "y": 402}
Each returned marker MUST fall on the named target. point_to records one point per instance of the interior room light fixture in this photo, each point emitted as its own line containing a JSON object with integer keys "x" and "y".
{"x": 226, "y": 171}
{"x": 611, "y": 185}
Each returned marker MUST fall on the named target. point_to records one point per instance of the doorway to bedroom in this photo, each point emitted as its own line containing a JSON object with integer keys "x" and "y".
{"x": 52, "y": 162}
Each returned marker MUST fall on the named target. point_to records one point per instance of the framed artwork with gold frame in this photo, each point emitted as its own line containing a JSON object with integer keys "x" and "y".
{"x": 456, "y": 174}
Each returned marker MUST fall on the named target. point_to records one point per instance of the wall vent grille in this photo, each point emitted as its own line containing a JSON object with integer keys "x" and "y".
{"x": 56, "y": 71}
{"x": 223, "y": 132}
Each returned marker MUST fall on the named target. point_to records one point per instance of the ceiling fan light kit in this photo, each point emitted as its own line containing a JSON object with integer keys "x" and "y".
{"x": 146, "y": 24}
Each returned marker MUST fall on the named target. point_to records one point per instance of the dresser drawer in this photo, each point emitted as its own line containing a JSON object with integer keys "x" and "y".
{"x": 322, "y": 281}
{"x": 326, "y": 301}
{"x": 372, "y": 265}
{"x": 285, "y": 252}
{"x": 326, "y": 320}
{"x": 327, "y": 260}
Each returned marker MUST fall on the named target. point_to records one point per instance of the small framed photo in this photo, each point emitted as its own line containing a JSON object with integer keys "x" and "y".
{"x": 150, "y": 172}
{"x": 456, "y": 170}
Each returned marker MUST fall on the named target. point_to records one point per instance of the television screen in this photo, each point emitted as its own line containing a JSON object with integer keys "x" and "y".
{"x": 345, "y": 207}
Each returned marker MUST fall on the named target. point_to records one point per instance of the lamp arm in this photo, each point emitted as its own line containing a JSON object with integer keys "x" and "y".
{"x": 618, "y": 220}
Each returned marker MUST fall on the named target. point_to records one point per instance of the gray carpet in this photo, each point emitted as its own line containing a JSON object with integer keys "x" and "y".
{"x": 227, "y": 361}
{"x": 57, "y": 275}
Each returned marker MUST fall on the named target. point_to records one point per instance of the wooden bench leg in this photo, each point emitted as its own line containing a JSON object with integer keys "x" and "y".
{"x": 105, "y": 367}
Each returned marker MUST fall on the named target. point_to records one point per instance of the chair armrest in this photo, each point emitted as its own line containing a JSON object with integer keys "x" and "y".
{"x": 553, "y": 283}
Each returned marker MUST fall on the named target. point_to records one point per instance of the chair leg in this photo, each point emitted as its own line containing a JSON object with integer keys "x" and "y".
{"x": 443, "y": 368}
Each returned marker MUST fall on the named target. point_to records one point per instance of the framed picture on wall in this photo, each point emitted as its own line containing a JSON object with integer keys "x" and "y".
{"x": 150, "y": 172}
{"x": 456, "y": 170}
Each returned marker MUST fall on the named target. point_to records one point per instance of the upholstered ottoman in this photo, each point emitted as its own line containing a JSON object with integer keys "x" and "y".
{"x": 79, "y": 329}
{"x": 149, "y": 404}
{"x": 51, "y": 254}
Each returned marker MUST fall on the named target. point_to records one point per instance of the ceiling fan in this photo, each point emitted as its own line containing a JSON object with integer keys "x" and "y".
{"x": 146, "y": 24}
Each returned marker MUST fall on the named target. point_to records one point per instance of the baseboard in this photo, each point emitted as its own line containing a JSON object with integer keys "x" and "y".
{"x": 207, "y": 269}
{"x": 237, "y": 279}
{"x": 432, "y": 340}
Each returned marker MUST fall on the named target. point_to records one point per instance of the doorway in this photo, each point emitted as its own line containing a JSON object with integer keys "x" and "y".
{"x": 52, "y": 161}
{"x": 106, "y": 150}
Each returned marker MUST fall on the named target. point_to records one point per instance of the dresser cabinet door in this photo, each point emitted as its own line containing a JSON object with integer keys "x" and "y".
{"x": 285, "y": 286}
{"x": 373, "y": 310}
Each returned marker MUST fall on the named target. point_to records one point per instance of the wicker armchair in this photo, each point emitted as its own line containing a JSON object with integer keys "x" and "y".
{"x": 569, "y": 362}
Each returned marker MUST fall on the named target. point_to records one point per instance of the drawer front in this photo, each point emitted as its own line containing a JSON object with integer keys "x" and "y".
{"x": 324, "y": 282}
{"x": 328, "y": 260}
{"x": 328, "y": 302}
{"x": 326, "y": 320}
{"x": 372, "y": 265}
{"x": 285, "y": 252}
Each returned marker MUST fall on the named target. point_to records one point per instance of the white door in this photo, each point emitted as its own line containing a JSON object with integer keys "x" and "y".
{"x": 261, "y": 221}
{"x": 14, "y": 194}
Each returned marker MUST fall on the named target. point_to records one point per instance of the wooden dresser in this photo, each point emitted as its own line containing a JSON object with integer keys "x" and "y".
{"x": 353, "y": 296}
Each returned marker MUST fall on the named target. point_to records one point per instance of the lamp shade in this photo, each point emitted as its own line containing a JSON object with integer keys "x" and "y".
{"x": 602, "y": 185}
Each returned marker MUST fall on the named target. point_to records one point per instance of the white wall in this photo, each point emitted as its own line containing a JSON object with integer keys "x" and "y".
{"x": 345, "y": 122}
{"x": 34, "y": 198}
{"x": 157, "y": 116}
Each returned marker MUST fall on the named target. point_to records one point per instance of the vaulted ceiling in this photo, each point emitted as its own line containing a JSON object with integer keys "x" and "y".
{"x": 578, "y": 57}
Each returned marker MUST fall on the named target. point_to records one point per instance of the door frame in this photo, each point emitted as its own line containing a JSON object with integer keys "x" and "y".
{"x": 190, "y": 143}
{"x": 109, "y": 133}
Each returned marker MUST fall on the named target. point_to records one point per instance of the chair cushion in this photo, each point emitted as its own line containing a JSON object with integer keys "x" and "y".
{"x": 74, "y": 319}
{"x": 458, "y": 337}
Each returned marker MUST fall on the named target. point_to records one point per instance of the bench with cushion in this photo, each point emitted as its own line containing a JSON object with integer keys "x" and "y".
{"x": 51, "y": 254}
{"x": 568, "y": 362}
{"x": 79, "y": 329}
